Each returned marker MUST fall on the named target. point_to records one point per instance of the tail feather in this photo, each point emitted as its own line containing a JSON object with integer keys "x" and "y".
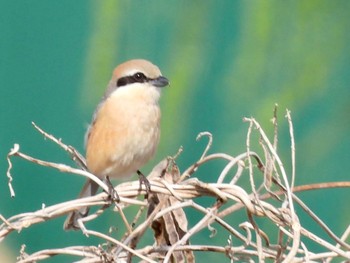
{"x": 90, "y": 188}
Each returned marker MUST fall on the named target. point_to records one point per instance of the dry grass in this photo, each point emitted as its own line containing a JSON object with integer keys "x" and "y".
{"x": 269, "y": 198}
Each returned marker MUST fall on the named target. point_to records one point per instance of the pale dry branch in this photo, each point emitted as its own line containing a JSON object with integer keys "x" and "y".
{"x": 75, "y": 155}
{"x": 269, "y": 196}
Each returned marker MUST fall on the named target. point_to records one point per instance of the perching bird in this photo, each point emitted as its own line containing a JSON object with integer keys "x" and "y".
{"x": 125, "y": 129}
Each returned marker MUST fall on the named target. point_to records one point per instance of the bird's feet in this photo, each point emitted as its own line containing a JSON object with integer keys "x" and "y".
{"x": 143, "y": 180}
{"x": 111, "y": 191}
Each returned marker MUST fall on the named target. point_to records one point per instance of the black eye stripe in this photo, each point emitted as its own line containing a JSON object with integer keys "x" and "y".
{"x": 136, "y": 78}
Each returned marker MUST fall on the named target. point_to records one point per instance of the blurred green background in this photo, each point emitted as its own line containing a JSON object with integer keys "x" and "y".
{"x": 225, "y": 60}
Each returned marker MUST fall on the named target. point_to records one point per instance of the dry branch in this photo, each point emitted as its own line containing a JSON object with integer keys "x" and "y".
{"x": 270, "y": 196}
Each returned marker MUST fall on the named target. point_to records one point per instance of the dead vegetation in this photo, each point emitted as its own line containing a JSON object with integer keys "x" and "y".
{"x": 269, "y": 197}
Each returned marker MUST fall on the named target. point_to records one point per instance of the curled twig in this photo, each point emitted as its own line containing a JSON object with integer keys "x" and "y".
{"x": 172, "y": 198}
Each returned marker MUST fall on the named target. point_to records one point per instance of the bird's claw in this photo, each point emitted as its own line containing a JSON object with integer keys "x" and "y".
{"x": 143, "y": 180}
{"x": 112, "y": 193}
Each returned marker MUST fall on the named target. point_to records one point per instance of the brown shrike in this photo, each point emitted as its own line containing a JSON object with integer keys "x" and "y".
{"x": 125, "y": 129}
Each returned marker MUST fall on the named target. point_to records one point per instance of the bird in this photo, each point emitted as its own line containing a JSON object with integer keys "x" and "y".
{"x": 125, "y": 129}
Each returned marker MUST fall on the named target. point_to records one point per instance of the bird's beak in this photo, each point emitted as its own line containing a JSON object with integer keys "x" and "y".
{"x": 160, "y": 82}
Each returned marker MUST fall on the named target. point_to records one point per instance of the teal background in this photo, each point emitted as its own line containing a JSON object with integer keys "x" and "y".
{"x": 225, "y": 60}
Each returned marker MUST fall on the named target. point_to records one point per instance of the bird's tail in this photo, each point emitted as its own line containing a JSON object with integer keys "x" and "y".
{"x": 90, "y": 188}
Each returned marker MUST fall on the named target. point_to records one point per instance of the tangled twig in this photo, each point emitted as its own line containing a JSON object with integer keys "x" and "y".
{"x": 270, "y": 196}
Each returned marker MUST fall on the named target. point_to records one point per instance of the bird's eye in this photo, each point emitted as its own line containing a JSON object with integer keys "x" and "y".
{"x": 139, "y": 77}
{"x": 136, "y": 78}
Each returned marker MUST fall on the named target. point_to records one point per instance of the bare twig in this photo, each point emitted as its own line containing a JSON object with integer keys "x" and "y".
{"x": 174, "y": 198}
{"x": 75, "y": 155}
